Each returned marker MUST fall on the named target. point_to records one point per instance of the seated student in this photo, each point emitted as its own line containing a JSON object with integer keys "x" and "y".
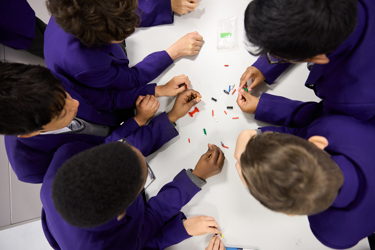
{"x": 339, "y": 43}
{"x": 38, "y": 114}
{"x": 20, "y": 28}
{"x": 92, "y": 199}
{"x": 82, "y": 42}
{"x": 317, "y": 165}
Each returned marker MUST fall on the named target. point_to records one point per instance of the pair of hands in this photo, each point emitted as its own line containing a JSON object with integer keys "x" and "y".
{"x": 215, "y": 244}
{"x": 182, "y": 7}
{"x": 247, "y": 102}
{"x": 211, "y": 163}
{"x": 147, "y": 106}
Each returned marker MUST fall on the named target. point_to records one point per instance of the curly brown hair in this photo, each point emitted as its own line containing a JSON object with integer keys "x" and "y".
{"x": 96, "y": 22}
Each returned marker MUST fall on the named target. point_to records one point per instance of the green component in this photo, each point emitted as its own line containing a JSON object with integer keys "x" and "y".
{"x": 204, "y": 131}
{"x": 225, "y": 35}
{"x": 246, "y": 90}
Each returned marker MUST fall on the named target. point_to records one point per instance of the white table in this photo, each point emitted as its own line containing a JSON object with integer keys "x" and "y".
{"x": 243, "y": 220}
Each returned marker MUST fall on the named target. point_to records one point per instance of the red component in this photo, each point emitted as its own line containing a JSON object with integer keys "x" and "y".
{"x": 212, "y": 112}
{"x": 189, "y": 140}
{"x": 235, "y": 118}
{"x": 225, "y": 147}
{"x": 233, "y": 91}
{"x": 225, "y": 112}
{"x": 226, "y": 65}
{"x": 195, "y": 110}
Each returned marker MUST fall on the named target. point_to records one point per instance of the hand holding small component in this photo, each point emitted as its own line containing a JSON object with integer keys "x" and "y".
{"x": 201, "y": 225}
{"x": 184, "y": 102}
{"x": 251, "y": 72}
{"x": 177, "y": 85}
{"x": 247, "y": 102}
{"x": 215, "y": 244}
{"x": 188, "y": 45}
{"x": 182, "y": 7}
{"x": 211, "y": 163}
{"x": 146, "y": 107}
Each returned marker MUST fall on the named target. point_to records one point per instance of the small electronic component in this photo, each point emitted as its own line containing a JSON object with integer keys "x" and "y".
{"x": 229, "y": 107}
{"x": 192, "y": 113}
{"x": 226, "y": 92}
{"x": 213, "y": 99}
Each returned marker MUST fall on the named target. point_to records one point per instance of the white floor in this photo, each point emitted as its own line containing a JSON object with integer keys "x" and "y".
{"x": 28, "y": 236}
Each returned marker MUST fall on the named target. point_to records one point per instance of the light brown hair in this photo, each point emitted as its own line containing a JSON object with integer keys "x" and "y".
{"x": 289, "y": 174}
{"x": 96, "y": 22}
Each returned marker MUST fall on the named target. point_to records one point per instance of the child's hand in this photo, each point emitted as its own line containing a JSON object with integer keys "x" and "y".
{"x": 188, "y": 45}
{"x": 247, "y": 102}
{"x": 182, "y": 7}
{"x": 251, "y": 72}
{"x": 184, "y": 102}
{"x": 215, "y": 244}
{"x": 211, "y": 163}
{"x": 175, "y": 86}
{"x": 146, "y": 108}
{"x": 201, "y": 225}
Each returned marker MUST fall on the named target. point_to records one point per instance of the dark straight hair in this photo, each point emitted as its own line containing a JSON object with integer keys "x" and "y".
{"x": 295, "y": 29}
{"x": 30, "y": 97}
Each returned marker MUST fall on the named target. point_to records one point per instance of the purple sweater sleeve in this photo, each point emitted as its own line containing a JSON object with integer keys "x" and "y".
{"x": 285, "y": 112}
{"x": 121, "y": 77}
{"x": 164, "y": 206}
{"x": 151, "y": 137}
{"x": 270, "y": 72}
{"x": 155, "y": 12}
{"x": 111, "y": 100}
{"x": 170, "y": 234}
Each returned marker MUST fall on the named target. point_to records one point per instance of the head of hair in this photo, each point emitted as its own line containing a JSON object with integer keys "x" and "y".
{"x": 297, "y": 30}
{"x": 96, "y": 185}
{"x": 30, "y": 97}
{"x": 291, "y": 175}
{"x": 96, "y": 22}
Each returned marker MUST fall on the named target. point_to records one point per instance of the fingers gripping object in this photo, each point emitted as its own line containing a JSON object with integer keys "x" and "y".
{"x": 192, "y": 113}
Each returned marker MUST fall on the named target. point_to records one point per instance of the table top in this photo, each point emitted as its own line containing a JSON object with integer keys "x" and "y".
{"x": 243, "y": 220}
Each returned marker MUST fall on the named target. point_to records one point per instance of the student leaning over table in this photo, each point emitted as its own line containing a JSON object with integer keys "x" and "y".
{"x": 92, "y": 199}
{"x": 82, "y": 42}
{"x": 41, "y": 111}
{"x": 319, "y": 165}
{"x": 336, "y": 35}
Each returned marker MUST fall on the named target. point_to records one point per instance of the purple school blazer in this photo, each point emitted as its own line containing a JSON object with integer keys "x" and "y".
{"x": 30, "y": 157}
{"x": 107, "y": 66}
{"x": 154, "y": 225}
{"x": 346, "y": 83}
{"x": 17, "y": 24}
{"x": 351, "y": 145}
